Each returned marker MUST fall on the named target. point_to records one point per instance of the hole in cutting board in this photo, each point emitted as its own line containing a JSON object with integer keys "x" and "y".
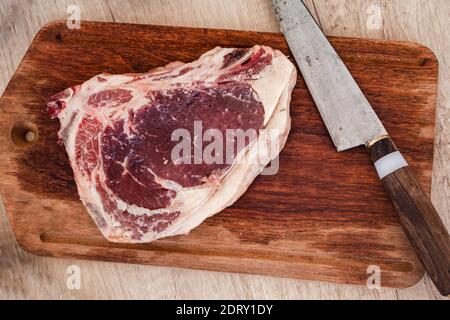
{"x": 24, "y": 134}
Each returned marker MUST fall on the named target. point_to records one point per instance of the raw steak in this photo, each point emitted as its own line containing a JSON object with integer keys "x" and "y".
{"x": 118, "y": 132}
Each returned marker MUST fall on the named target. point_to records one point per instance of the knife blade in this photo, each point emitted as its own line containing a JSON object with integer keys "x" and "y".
{"x": 352, "y": 122}
{"x": 348, "y": 115}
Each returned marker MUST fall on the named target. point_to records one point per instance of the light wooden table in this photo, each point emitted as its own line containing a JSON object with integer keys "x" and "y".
{"x": 25, "y": 276}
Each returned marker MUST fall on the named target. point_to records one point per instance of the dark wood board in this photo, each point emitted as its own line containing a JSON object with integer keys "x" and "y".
{"x": 324, "y": 217}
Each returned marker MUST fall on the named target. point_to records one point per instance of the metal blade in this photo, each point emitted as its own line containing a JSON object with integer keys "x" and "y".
{"x": 345, "y": 110}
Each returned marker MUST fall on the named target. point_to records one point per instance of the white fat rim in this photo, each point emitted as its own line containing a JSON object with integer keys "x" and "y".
{"x": 390, "y": 164}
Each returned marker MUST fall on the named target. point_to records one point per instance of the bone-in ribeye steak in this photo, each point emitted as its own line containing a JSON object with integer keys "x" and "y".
{"x": 118, "y": 133}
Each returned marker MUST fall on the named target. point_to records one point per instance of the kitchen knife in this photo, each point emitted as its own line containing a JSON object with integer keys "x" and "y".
{"x": 352, "y": 122}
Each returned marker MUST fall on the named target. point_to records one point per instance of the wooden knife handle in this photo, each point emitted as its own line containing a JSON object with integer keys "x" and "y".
{"x": 419, "y": 218}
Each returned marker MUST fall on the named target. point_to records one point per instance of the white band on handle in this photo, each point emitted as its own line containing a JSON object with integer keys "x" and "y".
{"x": 390, "y": 164}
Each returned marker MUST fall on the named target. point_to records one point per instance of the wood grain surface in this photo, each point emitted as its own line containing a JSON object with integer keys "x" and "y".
{"x": 23, "y": 275}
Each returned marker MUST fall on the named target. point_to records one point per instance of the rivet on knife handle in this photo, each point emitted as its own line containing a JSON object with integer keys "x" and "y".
{"x": 418, "y": 217}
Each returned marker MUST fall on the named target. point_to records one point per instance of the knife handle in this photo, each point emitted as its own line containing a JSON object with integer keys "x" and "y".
{"x": 418, "y": 217}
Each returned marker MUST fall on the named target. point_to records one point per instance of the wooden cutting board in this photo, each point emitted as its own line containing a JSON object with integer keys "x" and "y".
{"x": 325, "y": 215}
